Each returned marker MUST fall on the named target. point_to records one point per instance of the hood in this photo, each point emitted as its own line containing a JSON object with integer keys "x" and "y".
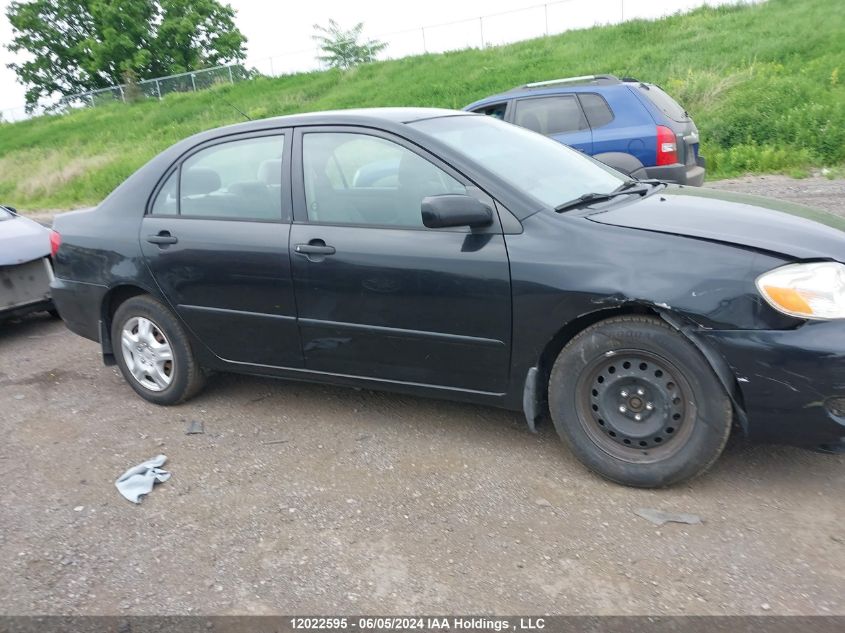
{"x": 22, "y": 240}
{"x": 761, "y": 223}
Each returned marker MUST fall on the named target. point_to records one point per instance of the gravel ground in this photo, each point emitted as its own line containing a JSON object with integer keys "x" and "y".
{"x": 301, "y": 498}
{"x": 816, "y": 191}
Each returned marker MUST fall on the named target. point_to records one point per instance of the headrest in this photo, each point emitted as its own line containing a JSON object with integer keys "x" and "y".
{"x": 270, "y": 171}
{"x": 199, "y": 180}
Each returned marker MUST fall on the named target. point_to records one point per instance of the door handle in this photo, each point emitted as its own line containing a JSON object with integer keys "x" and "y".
{"x": 315, "y": 247}
{"x": 163, "y": 237}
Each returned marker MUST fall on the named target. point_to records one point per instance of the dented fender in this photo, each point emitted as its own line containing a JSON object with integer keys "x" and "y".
{"x": 716, "y": 361}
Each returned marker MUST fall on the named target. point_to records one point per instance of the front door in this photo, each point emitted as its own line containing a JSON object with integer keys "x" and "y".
{"x": 216, "y": 242}
{"x": 378, "y": 294}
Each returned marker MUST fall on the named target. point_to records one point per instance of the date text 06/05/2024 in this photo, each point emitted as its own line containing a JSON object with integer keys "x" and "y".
{"x": 456, "y": 623}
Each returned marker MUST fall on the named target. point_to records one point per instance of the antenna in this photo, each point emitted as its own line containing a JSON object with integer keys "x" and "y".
{"x": 237, "y": 109}
{"x": 233, "y": 106}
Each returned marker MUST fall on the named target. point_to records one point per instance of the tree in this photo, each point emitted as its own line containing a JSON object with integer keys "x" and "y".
{"x": 342, "y": 49}
{"x": 73, "y": 46}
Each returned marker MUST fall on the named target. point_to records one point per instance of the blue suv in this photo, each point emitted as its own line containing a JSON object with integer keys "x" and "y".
{"x": 630, "y": 125}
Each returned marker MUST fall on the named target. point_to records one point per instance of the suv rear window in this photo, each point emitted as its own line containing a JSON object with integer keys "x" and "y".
{"x": 666, "y": 104}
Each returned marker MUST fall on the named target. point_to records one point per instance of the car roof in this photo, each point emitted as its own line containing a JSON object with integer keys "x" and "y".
{"x": 386, "y": 118}
{"x": 340, "y": 117}
{"x": 599, "y": 83}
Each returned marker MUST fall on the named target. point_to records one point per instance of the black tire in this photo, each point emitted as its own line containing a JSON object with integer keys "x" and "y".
{"x": 613, "y": 372}
{"x": 186, "y": 377}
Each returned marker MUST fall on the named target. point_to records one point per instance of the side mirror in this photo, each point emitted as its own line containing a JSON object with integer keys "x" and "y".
{"x": 8, "y": 208}
{"x": 455, "y": 210}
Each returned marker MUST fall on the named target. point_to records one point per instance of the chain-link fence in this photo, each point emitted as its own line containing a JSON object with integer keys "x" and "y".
{"x": 549, "y": 18}
{"x": 157, "y": 88}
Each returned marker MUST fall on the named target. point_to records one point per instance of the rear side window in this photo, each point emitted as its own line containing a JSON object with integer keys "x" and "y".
{"x": 235, "y": 180}
{"x": 550, "y": 115}
{"x": 239, "y": 180}
{"x": 596, "y": 108}
{"x": 666, "y": 104}
{"x": 167, "y": 202}
{"x": 496, "y": 110}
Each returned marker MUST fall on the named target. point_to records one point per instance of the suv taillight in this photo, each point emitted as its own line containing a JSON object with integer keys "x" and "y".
{"x": 667, "y": 146}
{"x": 55, "y": 242}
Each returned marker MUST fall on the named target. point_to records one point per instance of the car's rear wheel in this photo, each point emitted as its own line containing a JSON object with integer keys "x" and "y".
{"x": 154, "y": 353}
{"x": 638, "y": 403}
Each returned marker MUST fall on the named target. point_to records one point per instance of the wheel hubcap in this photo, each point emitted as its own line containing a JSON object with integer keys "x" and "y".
{"x": 635, "y": 405}
{"x": 147, "y": 353}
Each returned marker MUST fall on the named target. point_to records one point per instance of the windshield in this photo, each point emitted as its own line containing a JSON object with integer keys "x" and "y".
{"x": 545, "y": 169}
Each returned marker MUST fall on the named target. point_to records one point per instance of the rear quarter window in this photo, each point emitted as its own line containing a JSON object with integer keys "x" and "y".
{"x": 596, "y": 108}
{"x": 666, "y": 104}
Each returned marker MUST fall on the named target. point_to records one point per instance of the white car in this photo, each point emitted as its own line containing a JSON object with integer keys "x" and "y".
{"x": 25, "y": 265}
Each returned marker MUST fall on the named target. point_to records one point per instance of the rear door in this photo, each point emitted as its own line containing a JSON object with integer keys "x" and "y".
{"x": 215, "y": 239}
{"x": 557, "y": 116}
{"x": 379, "y": 295}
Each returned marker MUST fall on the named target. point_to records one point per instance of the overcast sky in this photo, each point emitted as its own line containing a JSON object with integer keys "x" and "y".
{"x": 283, "y": 30}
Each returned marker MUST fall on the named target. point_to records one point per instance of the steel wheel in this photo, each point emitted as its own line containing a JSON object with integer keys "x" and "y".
{"x": 635, "y": 406}
{"x": 147, "y": 353}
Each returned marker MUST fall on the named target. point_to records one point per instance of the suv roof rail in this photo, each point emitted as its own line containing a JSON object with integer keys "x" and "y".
{"x": 572, "y": 80}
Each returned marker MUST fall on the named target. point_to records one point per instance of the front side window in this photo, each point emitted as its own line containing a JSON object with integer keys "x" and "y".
{"x": 360, "y": 179}
{"x": 238, "y": 180}
{"x": 550, "y": 115}
{"x": 496, "y": 110}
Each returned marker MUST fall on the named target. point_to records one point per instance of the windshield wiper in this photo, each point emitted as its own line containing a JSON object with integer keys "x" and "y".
{"x": 584, "y": 199}
{"x": 629, "y": 186}
{"x": 626, "y": 185}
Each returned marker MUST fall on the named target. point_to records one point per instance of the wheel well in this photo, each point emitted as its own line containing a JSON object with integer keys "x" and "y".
{"x": 574, "y": 327}
{"x": 571, "y": 330}
{"x": 111, "y": 302}
{"x": 116, "y": 296}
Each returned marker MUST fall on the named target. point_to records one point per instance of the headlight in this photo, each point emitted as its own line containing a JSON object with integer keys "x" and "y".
{"x": 809, "y": 291}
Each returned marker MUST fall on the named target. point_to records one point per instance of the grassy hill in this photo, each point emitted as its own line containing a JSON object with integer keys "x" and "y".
{"x": 765, "y": 84}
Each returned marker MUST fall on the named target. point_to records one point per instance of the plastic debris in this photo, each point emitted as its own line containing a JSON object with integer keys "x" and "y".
{"x": 195, "y": 427}
{"x": 659, "y": 517}
{"x": 139, "y": 480}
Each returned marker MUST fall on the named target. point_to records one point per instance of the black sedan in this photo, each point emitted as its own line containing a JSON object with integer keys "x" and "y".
{"x": 452, "y": 255}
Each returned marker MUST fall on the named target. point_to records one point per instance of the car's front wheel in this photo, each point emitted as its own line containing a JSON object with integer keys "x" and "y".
{"x": 154, "y": 353}
{"x": 638, "y": 403}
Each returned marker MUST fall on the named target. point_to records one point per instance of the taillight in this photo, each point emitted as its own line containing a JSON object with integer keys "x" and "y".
{"x": 55, "y": 242}
{"x": 667, "y": 146}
